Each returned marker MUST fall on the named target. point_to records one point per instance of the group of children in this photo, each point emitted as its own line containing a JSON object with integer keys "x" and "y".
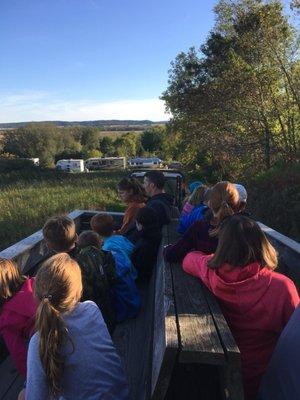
{"x": 90, "y": 284}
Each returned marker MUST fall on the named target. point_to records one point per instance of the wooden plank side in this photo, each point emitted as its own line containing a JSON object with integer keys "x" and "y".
{"x": 165, "y": 339}
{"x": 199, "y": 339}
{"x": 133, "y": 340}
{"x": 231, "y": 372}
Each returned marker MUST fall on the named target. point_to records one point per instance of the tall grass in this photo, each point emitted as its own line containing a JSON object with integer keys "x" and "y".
{"x": 28, "y": 198}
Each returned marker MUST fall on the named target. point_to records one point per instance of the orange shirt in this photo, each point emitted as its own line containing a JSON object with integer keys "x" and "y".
{"x": 129, "y": 216}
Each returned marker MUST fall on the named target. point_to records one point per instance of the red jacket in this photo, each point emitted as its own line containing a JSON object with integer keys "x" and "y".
{"x": 17, "y": 321}
{"x": 256, "y": 302}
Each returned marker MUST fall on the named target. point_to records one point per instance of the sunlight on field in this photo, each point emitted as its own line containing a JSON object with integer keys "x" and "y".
{"x": 26, "y": 203}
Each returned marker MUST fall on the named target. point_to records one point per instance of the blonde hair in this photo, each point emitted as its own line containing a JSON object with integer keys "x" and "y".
{"x": 197, "y": 195}
{"x": 58, "y": 287}
{"x": 242, "y": 242}
{"x": 11, "y": 279}
{"x": 224, "y": 201}
{"x": 60, "y": 233}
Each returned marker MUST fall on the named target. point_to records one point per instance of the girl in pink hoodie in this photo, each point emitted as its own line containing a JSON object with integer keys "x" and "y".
{"x": 256, "y": 301}
{"x": 17, "y": 312}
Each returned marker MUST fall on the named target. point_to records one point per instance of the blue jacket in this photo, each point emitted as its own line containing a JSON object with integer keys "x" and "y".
{"x": 122, "y": 246}
{"x": 185, "y": 221}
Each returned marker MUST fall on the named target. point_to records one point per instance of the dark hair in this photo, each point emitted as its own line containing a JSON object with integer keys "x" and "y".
{"x": 60, "y": 232}
{"x": 156, "y": 177}
{"x": 133, "y": 185}
{"x": 88, "y": 238}
{"x": 146, "y": 216}
{"x": 103, "y": 224}
{"x": 242, "y": 242}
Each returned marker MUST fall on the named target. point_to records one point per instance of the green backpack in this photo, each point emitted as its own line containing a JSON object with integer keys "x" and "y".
{"x": 98, "y": 276}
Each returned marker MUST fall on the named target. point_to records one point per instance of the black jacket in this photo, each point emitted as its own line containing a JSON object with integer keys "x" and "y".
{"x": 145, "y": 253}
{"x": 161, "y": 204}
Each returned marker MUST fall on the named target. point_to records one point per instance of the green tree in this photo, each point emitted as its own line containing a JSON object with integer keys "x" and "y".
{"x": 237, "y": 101}
{"x": 152, "y": 139}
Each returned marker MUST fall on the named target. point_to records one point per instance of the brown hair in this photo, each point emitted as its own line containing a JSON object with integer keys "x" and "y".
{"x": 60, "y": 233}
{"x": 224, "y": 201}
{"x": 88, "y": 238}
{"x": 103, "y": 224}
{"x": 242, "y": 242}
{"x": 58, "y": 287}
{"x": 11, "y": 279}
{"x": 133, "y": 185}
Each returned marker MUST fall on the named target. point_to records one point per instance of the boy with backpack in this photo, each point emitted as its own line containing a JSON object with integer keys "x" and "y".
{"x": 97, "y": 266}
{"x": 126, "y": 296}
{"x": 98, "y": 275}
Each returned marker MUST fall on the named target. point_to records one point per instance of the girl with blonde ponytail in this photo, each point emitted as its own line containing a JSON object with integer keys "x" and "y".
{"x": 71, "y": 355}
{"x": 224, "y": 201}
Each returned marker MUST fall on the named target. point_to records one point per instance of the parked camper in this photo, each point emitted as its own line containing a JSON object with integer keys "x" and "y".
{"x": 93, "y": 164}
{"x": 70, "y": 165}
{"x": 152, "y": 162}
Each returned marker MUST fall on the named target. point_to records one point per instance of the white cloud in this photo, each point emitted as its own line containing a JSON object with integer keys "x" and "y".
{"x": 41, "y": 106}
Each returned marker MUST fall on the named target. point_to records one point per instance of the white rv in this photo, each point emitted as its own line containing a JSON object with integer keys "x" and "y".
{"x": 142, "y": 162}
{"x": 70, "y": 165}
{"x": 93, "y": 164}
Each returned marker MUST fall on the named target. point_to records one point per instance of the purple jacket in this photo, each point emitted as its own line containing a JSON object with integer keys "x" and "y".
{"x": 195, "y": 238}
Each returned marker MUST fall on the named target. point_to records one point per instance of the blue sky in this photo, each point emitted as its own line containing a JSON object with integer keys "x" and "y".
{"x": 93, "y": 59}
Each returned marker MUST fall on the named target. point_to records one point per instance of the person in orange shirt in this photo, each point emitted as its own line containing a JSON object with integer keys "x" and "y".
{"x": 132, "y": 193}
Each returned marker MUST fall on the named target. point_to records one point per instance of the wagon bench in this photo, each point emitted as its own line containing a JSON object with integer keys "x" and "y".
{"x": 180, "y": 346}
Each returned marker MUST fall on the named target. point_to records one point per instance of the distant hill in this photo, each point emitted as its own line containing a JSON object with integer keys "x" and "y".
{"x": 100, "y": 123}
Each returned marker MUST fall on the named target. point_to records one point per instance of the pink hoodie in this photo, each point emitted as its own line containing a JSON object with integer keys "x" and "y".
{"x": 17, "y": 321}
{"x": 256, "y": 302}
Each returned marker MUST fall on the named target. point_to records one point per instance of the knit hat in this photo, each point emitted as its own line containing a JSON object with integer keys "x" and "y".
{"x": 194, "y": 185}
{"x": 242, "y": 192}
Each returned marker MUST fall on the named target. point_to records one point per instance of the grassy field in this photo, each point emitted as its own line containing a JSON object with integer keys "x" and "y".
{"x": 28, "y": 198}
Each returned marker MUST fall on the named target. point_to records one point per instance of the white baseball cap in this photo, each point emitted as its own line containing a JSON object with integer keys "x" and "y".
{"x": 242, "y": 192}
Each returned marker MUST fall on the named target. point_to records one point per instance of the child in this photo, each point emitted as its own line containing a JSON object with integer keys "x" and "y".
{"x": 202, "y": 235}
{"x": 103, "y": 224}
{"x": 195, "y": 197}
{"x": 132, "y": 193}
{"x": 98, "y": 275}
{"x": 71, "y": 356}
{"x": 199, "y": 198}
{"x": 60, "y": 235}
{"x": 145, "y": 253}
{"x": 256, "y": 302}
{"x": 126, "y": 296}
{"x": 18, "y": 307}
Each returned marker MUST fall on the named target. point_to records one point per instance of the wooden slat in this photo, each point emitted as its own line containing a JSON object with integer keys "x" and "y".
{"x": 231, "y": 373}
{"x": 133, "y": 340}
{"x": 165, "y": 341}
{"x": 199, "y": 339}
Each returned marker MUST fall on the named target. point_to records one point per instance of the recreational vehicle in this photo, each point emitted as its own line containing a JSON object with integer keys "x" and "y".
{"x": 70, "y": 165}
{"x": 152, "y": 162}
{"x": 93, "y": 164}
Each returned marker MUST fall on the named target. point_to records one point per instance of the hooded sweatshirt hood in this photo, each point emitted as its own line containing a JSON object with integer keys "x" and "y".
{"x": 23, "y": 301}
{"x": 241, "y": 287}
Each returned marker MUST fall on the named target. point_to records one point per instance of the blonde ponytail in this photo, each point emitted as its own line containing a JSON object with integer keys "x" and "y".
{"x": 224, "y": 202}
{"x": 52, "y": 333}
{"x": 58, "y": 287}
